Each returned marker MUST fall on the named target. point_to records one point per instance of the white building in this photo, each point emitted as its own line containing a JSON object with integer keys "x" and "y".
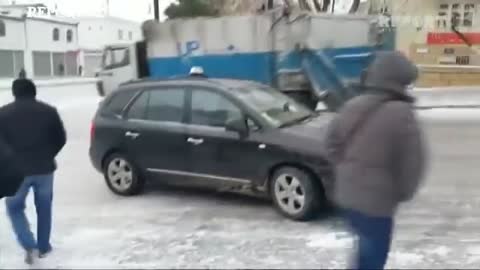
{"x": 97, "y": 32}
{"x": 44, "y": 47}
{"x": 51, "y": 46}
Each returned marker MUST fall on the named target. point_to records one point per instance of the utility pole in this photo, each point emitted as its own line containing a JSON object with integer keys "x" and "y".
{"x": 107, "y": 8}
{"x": 156, "y": 10}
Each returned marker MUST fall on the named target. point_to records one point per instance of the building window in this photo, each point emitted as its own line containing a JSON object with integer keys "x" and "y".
{"x": 3, "y": 30}
{"x": 443, "y": 14}
{"x": 69, "y": 35}
{"x": 456, "y": 14}
{"x": 130, "y": 35}
{"x": 120, "y": 34}
{"x": 56, "y": 34}
{"x": 468, "y": 14}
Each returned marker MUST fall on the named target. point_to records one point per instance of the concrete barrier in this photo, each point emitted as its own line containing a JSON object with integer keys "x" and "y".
{"x": 6, "y": 84}
{"x": 444, "y": 97}
{"x": 448, "y": 97}
{"x": 448, "y": 76}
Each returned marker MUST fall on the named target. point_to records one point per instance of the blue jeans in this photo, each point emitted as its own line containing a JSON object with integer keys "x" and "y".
{"x": 43, "y": 191}
{"x": 374, "y": 239}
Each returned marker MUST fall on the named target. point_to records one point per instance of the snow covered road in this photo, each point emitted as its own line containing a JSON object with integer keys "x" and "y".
{"x": 186, "y": 228}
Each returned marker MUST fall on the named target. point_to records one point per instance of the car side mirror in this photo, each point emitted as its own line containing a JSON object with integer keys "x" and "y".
{"x": 238, "y": 125}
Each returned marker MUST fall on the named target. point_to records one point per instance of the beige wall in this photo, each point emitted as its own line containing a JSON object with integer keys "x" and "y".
{"x": 416, "y": 18}
{"x": 409, "y": 18}
{"x": 413, "y": 30}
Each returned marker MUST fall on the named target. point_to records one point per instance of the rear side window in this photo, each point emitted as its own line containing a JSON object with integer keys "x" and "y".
{"x": 138, "y": 109}
{"x": 118, "y": 102}
{"x": 159, "y": 106}
{"x": 166, "y": 105}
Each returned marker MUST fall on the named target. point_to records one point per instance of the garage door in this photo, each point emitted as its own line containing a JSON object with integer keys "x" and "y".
{"x": 92, "y": 62}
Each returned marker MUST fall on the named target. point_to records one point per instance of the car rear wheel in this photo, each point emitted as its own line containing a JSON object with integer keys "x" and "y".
{"x": 122, "y": 176}
{"x": 295, "y": 193}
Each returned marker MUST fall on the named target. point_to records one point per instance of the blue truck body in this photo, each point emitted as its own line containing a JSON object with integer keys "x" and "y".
{"x": 308, "y": 55}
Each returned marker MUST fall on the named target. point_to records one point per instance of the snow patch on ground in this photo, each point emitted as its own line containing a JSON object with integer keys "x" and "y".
{"x": 330, "y": 240}
{"x": 441, "y": 251}
{"x": 474, "y": 250}
{"x": 406, "y": 258}
{"x": 452, "y": 114}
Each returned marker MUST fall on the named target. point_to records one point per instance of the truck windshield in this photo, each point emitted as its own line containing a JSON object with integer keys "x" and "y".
{"x": 115, "y": 57}
{"x": 275, "y": 107}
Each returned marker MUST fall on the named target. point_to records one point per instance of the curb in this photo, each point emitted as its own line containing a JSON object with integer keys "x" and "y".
{"x": 448, "y": 107}
{"x": 53, "y": 82}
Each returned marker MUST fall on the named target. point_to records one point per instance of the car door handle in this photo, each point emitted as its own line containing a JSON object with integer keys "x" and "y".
{"x": 132, "y": 135}
{"x": 195, "y": 141}
{"x": 110, "y": 74}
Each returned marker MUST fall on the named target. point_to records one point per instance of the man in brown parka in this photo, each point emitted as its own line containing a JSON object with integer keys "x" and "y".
{"x": 377, "y": 148}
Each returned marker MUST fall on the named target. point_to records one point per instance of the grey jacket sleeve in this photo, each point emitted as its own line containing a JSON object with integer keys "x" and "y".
{"x": 411, "y": 156}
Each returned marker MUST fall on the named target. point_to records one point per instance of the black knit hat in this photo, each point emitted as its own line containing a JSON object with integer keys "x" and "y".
{"x": 24, "y": 88}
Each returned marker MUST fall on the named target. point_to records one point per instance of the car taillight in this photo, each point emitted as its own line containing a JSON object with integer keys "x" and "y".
{"x": 92, "y": 131}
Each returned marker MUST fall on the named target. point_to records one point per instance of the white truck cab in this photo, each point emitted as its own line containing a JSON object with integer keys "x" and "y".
{"x": 119, "y": 64}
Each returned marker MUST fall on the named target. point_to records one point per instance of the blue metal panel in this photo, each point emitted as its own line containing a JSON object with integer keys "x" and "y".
{"x": 244, "y": 66}
{"x": 348, "y": 64}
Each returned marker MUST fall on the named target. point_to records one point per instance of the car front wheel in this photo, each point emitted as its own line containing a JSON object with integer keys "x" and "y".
{"x": 121, "y": 176}
{"x": 295, "y": 193}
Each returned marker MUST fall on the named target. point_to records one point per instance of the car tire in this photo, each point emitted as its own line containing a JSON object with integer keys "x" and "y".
{"x": 295, "y": 193}
{"x": 122, "y": 176}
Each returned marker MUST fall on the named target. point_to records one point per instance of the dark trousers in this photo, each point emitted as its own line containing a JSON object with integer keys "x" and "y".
{"x": 374, "y": 239}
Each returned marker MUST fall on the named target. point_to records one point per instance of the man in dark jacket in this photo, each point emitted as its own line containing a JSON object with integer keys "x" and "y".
{"x": 377, "y": 147}
{"x": 11, "y": 177}
{"x": 36, "y": 135}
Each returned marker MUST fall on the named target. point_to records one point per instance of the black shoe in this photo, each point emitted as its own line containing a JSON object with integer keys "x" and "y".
{"x": 29, "y": 257}
{"x": 43, "y": 254}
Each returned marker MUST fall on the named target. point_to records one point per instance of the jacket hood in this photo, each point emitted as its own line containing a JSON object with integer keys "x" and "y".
{"x": 24, "y": 89}
{"x": 391, "y": 72}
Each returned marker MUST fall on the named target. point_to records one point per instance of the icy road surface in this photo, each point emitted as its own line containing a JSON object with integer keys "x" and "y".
{"x": 178, "y": 228}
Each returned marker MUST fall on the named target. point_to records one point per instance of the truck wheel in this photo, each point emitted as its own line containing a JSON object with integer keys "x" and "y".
{"x": 100, "y": 89}
{"x": 295, "y": 193}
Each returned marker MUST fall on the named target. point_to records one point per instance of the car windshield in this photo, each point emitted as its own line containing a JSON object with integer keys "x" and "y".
{"x": 275, "y": 107}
